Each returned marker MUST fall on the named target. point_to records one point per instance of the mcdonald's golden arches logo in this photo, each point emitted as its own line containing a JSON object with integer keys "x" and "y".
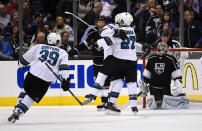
{"x": 193, "y": 73}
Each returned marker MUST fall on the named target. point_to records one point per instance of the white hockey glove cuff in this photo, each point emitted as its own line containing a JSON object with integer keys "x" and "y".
{"x": 176, "y": 87}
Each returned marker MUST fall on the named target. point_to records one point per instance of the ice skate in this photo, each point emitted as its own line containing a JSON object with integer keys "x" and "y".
{"x": 112, "y": 109}
{"x": 102, "y": 107}
{"x": 15, "y": 116}
{"x": 89, "y": 99}
{"x": 134, "y": 110}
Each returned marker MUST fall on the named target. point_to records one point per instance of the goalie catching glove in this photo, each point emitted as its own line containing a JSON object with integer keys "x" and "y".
{"x": 120, "y": 34}
{"x": 66, "y": 84}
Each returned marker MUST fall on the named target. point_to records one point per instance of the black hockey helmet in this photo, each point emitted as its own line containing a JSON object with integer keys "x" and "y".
{"x": 101, "y": 18}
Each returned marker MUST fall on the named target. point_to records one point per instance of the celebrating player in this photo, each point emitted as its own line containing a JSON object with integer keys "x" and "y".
{"x": 40, "y": 77}
{"x": 121, "y": 64}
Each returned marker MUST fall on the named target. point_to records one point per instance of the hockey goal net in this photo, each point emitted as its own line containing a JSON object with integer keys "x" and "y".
{"x": 189, "y": 60}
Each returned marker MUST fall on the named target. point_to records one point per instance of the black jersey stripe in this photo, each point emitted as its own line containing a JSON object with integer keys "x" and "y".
{"x": 64, "y": 67}
{"x": 23, "y": 61}
{"x": 108, "y": 41}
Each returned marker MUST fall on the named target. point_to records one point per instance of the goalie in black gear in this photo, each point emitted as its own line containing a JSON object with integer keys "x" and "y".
{"x": 163, "y": 78}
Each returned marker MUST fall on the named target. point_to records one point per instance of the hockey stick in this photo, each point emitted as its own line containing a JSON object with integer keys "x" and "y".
{"x": 61, "y": 82}
{"x": 69, "y": 13}
{"x": 122, "y": 107}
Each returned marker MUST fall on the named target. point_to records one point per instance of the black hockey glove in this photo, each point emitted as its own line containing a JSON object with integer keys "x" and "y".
{"x": 120, "y": 34}
{"x": 73, "y": 52}
{"x": 66, "y": 84}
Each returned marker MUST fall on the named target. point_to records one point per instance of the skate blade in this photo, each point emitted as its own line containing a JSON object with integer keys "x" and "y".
{"x": 135, "y": 113}
{"x": 101, "y": 109}
{"x": 87, "y": 101}
{"x": 12, "y": 121}
{"x": 109, "y": 112}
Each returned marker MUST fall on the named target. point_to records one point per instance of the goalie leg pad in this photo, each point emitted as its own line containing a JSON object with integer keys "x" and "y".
{"x": 180, "y": 102}
{"x": 151, "y": 102}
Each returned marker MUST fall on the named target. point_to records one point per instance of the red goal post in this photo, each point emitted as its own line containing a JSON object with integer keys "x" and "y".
{"x": 189, "y": 60}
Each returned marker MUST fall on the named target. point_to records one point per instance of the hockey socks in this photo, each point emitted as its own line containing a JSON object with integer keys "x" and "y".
{"x": 21, "y": 96}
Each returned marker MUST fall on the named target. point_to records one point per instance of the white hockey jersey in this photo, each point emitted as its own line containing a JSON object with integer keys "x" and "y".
{"x": 39, "y": 54}
{"x": 125, "y": 50}
{"x": 106, "y": 42}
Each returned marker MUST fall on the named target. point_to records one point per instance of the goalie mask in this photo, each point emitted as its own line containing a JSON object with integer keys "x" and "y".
{"x": 125, "y": 19}
{"x": 54, "y": 38}
{"x": 162, "y": 48}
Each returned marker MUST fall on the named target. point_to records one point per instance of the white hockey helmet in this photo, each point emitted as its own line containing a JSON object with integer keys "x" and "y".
{"x": 126, "y": 17}
{"x": 53, "y": 38}
{"x": 162, "y": 48}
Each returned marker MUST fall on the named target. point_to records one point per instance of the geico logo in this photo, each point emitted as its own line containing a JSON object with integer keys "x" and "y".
{"x": 193, "y": 74}
{"x": 76, "y": 73}
{"x": 81, "y": 76}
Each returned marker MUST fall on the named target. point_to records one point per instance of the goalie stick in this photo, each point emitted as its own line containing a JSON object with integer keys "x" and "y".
{"x": 61, "y": 82}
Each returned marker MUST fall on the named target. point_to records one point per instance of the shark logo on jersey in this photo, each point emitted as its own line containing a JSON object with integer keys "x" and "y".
{"x": 159, "y": 68}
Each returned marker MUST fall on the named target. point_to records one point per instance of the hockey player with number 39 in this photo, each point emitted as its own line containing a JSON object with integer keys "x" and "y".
{"x": 40, "y": 77}
{"x": 162, "y": 77}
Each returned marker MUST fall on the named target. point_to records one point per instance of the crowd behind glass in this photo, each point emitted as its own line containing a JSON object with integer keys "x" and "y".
{"x": 151, "y": 18}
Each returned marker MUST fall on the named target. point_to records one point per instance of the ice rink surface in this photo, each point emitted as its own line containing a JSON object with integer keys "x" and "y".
{"x": 86, "y": 118}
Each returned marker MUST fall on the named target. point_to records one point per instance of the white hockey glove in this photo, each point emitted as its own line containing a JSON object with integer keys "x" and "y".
{"x": 176, "y": 88}
{"x": 144, "y": 88}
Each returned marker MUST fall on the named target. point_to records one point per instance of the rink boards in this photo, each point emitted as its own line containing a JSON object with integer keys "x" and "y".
{"x": 81, "y": 73}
